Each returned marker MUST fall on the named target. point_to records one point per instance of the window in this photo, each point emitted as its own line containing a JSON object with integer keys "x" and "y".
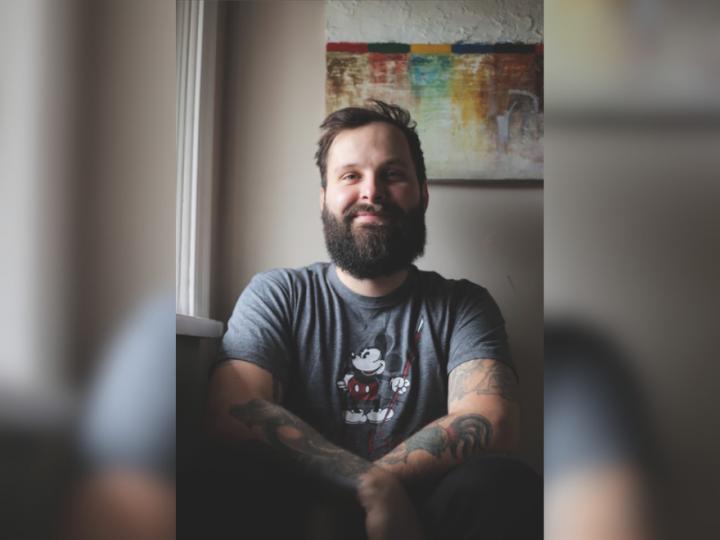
{"x": 196, "y": 82}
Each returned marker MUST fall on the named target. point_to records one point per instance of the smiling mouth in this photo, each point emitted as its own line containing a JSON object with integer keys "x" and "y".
{"x": 371, "y": 216}
{"x": 371, "y": 372}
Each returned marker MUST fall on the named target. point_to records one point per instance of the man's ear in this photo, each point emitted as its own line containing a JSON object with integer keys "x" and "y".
{"x": 322, "y": 198}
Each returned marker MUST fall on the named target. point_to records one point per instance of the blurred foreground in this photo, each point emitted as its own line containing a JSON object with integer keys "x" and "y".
{"x": 87, "y": 205}
{"x": 631, "y": 269}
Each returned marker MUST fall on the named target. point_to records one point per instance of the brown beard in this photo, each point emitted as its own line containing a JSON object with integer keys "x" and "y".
{"x": 375, "y": 249}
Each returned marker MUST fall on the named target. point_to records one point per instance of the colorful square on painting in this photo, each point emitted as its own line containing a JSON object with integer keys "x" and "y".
{"x": 478, "y": 107}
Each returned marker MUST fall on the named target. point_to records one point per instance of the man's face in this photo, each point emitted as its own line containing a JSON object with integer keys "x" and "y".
{"x": 373, "y": 207}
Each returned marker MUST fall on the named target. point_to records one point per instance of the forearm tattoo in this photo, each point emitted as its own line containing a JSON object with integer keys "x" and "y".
{"x": 292, "y": 438}
{"x": 467, "y": 436}
{"x": 488, "y": 377}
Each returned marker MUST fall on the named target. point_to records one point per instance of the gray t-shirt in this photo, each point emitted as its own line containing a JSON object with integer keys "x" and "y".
{"x": 365, "y": 372}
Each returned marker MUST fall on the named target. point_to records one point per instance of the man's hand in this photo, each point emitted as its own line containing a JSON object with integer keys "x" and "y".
{"x": 388, "y": 509}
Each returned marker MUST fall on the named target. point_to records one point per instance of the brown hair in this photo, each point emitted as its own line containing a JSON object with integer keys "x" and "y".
{"x": 374, "y": 111}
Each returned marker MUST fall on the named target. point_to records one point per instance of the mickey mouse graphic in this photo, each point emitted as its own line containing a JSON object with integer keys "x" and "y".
{"x": 362, "y": 385}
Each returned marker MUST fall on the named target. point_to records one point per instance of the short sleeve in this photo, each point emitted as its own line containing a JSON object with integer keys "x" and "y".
{"x": 479, "y": 329}
{"x": 259, "y": 328}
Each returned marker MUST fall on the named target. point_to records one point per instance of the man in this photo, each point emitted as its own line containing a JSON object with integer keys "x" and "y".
{"x": 370, "y": 380}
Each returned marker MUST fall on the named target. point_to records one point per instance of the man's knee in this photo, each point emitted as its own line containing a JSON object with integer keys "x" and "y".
{"x": 494, "y": 475}
{"x": 495, "y": 496}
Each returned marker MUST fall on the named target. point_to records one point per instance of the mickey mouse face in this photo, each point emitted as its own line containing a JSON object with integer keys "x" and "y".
{"x": 369, "y": 361}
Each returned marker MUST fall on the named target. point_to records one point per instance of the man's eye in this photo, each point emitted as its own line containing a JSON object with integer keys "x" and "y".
{"x": 395, "y": 174}
{"x": 350, "y": 176}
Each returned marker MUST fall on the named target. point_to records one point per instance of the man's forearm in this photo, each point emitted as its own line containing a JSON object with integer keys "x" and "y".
{"x": 437, "y": 447}
{"x": 477, "y": 386}
{"x": 291, "y": 438}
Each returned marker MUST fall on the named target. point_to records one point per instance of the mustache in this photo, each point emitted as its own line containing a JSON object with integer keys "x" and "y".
{"x": 387, "y": 209}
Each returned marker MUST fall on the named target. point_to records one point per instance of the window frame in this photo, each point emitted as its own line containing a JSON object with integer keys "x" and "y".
{"x": 196, "y": 78}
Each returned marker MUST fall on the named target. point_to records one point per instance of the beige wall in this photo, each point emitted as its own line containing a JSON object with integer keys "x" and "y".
{"x": 269, "y": 195}
{"x": 273, "y": 103}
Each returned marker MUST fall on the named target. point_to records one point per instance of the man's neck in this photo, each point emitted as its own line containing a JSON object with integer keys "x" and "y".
{"x": 379, "y": 286}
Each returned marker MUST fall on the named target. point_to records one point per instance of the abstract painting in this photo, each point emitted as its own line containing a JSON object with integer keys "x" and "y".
{"x": 478, "y": 107}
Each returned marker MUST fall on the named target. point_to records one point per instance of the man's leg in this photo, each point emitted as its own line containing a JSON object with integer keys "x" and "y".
{"x": 234, "y": 495}
{"x": 491, "y": 498}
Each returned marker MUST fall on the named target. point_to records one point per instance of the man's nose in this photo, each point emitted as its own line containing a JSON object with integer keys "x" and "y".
{"x": 373, "y": 189}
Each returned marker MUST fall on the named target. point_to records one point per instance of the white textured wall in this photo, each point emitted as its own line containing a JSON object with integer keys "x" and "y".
{"x": 418, "y": 21}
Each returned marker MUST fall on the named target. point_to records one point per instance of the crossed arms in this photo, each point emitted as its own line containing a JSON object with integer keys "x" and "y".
{"x": 245, "y": 405}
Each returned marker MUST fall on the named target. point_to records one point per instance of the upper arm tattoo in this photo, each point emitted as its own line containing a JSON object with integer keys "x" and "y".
{"x": 482, "y": 377}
